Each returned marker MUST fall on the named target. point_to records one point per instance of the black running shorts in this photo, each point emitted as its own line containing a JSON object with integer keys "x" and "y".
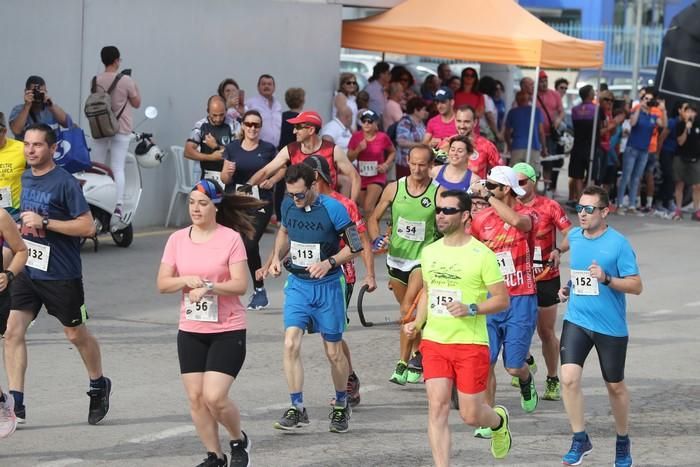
{"x": 548, "y": 292}
{"x": 63, "y": 299}
{"x": 577, "y": 342}
{"x": 399, "y": 275}
{"x": 223, "y": 352}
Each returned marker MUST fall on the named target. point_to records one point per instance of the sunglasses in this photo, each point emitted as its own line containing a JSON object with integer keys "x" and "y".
{"x": 300, "y": 126}
{"x": 470, "y": 75}
{"x": 523, "y": 182}
{"x": 492, "y": 186}
{"x": 588, "y": 208}
{"x": 447, "y": 211}
{"x": 297, "y": 196}
{"x": 606, "y": 99}
{"x": 253, "y": 124}
{"x": 366, "y": 120}
{"x": 354, "y": 83}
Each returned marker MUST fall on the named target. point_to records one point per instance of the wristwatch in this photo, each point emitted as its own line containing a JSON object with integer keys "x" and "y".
{"x": 473, "y": 310}
{"x": 45, "y": 222}
{"x": 608, "y": 279}
{"x": 10, "y": 275}
{"x": 209, "y": 285}
{"x": 332, "y": 261}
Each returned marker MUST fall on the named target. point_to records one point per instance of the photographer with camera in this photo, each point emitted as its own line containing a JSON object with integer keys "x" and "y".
{"x": 38, "y": 107}
{"x": 686, "y": 164}
{"x": 645, "y": 118}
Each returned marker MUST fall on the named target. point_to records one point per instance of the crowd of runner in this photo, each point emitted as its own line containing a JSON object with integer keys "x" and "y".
{"x": 471, "y": 243}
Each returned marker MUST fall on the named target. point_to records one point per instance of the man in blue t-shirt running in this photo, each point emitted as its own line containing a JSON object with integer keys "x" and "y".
{"x": 603, "y": 269}
{"x": 312, "y": 226}
{"x": 53, "y": 217}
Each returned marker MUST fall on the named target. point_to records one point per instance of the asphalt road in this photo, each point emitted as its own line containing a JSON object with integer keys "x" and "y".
{"x": 149, "y": 423}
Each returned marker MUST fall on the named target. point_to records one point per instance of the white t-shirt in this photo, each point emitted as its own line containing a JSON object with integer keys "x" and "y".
{"x": 340, "y": 134}
{"x": 489, "y": 106}
{"x": 352, "y": 103}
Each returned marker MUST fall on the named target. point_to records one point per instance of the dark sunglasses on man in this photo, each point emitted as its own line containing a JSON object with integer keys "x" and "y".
{"x": 447, "y": 211}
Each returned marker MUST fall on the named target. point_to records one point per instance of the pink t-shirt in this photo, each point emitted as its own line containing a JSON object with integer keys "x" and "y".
{"x": 552, "y": 102}
{"x": 439, "y": 129}
{"x": 371, "y": 157}
{"x": 209, "y": 260}
{"x": 126, "y": 89}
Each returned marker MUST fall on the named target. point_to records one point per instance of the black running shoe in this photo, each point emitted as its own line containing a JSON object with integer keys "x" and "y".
{"x": 21, "y": 414}
{"x": 339, "y": 419}
{"x": 353, "y": 389}
{"x": 213, "y": 461}
{"x": 99, "y": 402}
{"x": 240, "y": 451}
{"x": 293, "y": 418}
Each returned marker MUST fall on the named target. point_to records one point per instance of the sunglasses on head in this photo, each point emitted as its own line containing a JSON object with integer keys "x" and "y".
{"x": 300, "y": 126}
{"x": 492, "y": 185}
{"x": 253, "y": 124}
{"x": 447, "y": 211}
{"x": 588, "y": 208}
{"x": 297, "y": 196}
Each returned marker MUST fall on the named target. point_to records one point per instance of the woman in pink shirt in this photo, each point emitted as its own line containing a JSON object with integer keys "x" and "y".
{"x": 375, "y": 154}
{"x": 206, "y": 264}
{"x": 468, "y": 94}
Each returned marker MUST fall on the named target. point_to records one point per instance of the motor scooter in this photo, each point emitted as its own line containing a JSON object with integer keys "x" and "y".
{"x": 100, "y": 189}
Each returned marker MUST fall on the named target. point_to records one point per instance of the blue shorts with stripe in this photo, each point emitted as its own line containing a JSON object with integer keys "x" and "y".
{"x": 512, "y": 330}
{"x": 318, "y": 304}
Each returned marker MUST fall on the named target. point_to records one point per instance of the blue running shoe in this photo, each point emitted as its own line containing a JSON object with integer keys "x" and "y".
{"x": 259, "y": 300}
{"x": 623, "y": 458}
{"x": 579, "y": 449}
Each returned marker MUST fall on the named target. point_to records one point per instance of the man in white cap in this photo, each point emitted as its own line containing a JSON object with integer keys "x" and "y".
{"x": 508, "y": 227}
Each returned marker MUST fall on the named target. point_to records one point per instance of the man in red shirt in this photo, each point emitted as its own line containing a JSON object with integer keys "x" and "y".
{"x": 508, "y": 228}
{"x": 485, "y": 155}
{"x": 442, "y": 126}
{"x": 550, "y": 218}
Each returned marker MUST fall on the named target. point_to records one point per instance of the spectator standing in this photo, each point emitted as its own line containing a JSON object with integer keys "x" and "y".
{"x": 444, "y": 74}
{"x": 517, "y": 129}
{"x": 468, "y": 93}
{"x": 485, "y": 155}
{"x": 345, "y": 96}
{"x": 686, "y": 166}
{"x": 582, "y": 117}
{"x": 669, "y": 148}
{"x": 362, "y": 105}
{"x": 377, "y": 87}
{"x": 393, "y": 111}
{"x": 429, "y": 87}
{"x": 500, "y": 103}
{"x": 643, "y": 121}
{"x": 410, "y": 131}
{"x": 37, "y": 107}
{"x": 549, "y": 101}
{"x": 454, "y": 84}
{"x": 340, "y": 129}
{"x": 561, "y": 85}
{"x": 375, "y": 155}
{"x": 269, "y": 108}
{"x": 488, "y": 122}
{"x": 231, "y": 93}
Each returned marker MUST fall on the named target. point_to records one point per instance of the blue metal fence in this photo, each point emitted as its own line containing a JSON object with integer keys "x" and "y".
{"x": 619, "y": 43}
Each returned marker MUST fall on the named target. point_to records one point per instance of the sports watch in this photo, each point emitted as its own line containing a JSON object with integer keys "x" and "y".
{"x": 209, "y": 285}
{"x": 10, "y": 275}
{"x": 332, "y": 261}
{"x": 473, "y": 310}
{"x": 45, "y": 222}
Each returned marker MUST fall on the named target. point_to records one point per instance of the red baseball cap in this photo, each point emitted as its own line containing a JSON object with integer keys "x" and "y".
{"x": 543, "y": 74}
{"x": 310, "y": 117}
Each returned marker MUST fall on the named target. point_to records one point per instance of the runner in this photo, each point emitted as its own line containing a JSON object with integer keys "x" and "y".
{"x": 458, "y": 274}
{"x": 206, "y": 263}
{"x": 485, "y": 155}
{"x": 312, "y": 226}
{"x": 242, "y": 158}
{"x": 323, "y": 179}
{"x": 603, "y": 269}
{"x": 508, "y": 228}
{"x": 54, "y": 215}
{"x": 455, "y": 175}
{"x": 412, "y": 202}
{"x": 307, "y": 126}
{"x": 550, "y": 218}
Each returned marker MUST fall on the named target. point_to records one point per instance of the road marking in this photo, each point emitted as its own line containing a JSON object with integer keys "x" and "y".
{"x": 160, "y": 435}
{"x": 692, "y": 304}
{"x": 660, "y": 312}
{"x": 61, "y": 462}
{"x": 153, "y": 233}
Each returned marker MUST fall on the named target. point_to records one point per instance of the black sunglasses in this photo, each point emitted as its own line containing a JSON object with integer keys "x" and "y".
{"x": 298, "y": 196}
{"x": 588, "y": 208}
{"x": 300, "y": 126}
{"x": 447, "y": 211}
{"x": 367, "y": 120}
{"x": 253, "y": 124}
{"x": 354, "y": 83}
{"x": 492, "y": 186}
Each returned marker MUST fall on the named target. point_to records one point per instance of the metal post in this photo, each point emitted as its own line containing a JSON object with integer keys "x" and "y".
{"x": 637, "y": 49}
{"x": 530, "y": 133}
{"x": 595, "y": 126}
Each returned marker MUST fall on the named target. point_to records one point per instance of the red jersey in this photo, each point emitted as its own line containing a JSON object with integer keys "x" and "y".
{"x": 513, "y": 247}
{"x": 354, "y": 213}
{"x": 297, "y": 156}
{"x": 484, "y": 158}
{"x": 550, "y": 217}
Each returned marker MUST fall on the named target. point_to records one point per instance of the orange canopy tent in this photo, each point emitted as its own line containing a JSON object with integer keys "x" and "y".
{"x": 493, "y": 31}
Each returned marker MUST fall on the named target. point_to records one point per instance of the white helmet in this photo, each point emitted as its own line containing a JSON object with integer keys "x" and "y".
{"x": 148, "y": 155}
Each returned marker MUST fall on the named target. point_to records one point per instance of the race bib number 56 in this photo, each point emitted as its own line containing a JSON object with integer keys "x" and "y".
{"x": 206, "y": 309}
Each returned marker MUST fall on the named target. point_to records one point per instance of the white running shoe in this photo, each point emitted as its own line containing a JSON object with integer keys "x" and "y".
{"x": 8, "y": 420}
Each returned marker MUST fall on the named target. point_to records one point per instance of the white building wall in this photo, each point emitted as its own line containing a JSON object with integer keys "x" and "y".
{"x": 179, "y": 51}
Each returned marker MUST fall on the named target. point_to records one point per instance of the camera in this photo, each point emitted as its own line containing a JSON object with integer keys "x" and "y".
{"x": 653, "y": 103}
{"x": 38, "y": 95}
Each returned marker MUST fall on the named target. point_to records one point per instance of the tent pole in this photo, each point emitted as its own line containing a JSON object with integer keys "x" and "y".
{"x": 595, "y": 125}
{"x": 532, "y": 115}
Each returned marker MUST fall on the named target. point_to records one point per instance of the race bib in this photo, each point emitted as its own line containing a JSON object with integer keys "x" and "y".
{"x": 38, "y": 255}
{"x": 214, "y": 175}
{"x": 305, "y": 254}
{"x": 583, "y": 283}
{"x": 253, "y": 190}
{"x": 206, "y": 309}
{"x": 505, "y": 262}
{"x": 439, "y": 298}
{"x": 368, "y": 168}
{"x": 5, "y": 197}
{"x": 413, "y": 231}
